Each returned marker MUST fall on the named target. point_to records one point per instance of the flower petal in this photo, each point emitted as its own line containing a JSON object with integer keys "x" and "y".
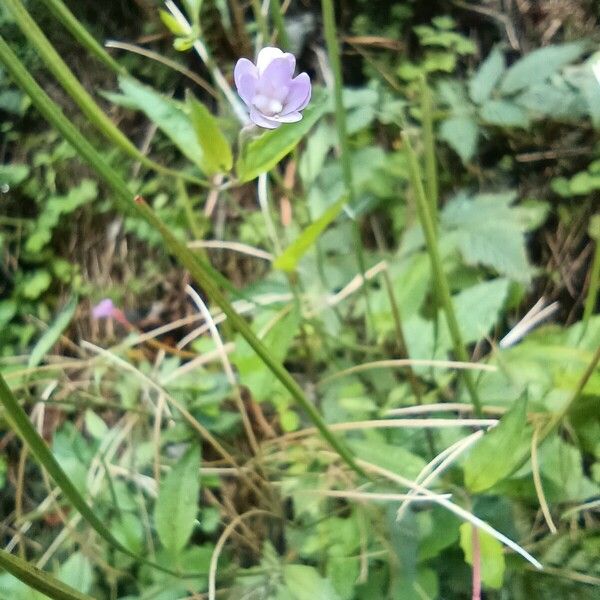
{"x": 292, "y": 117}
{"x": 262, "y": 121}
{"x": 276, "y": 80}
{"x": 299, "y": 95}
{"x": 267, "y": 55}
{"x": 104, "y": 309}
{"x": 245, "y": 75}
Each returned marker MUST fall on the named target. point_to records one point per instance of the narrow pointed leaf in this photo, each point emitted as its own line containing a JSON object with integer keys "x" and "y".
{"x": 39, "y": 580}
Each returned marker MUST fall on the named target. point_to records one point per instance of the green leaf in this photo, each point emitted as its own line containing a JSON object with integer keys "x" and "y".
{"x": 34, "y": 284}
{"x": 487, "y": 76}
{"x": 169, "y": 115}
{"x": 305, "y": 583}
{"x": 504, "y": 114}
{"x": 171, "y": 23}
{"x": 500, "y": 451}
{"x": 491, "y": 555}
{"x": 461, "y": 134}
{"x": 479, "y": 306}
{"x": 55, "y": 208}
{"x": 288, "y": 260}
{"x": 39, "y": 580}
{"x": 260, "y": 154}
{"x": 488, "y": 230}
{"x": 216, "y": 151}
{"x": 51, "y": 335}
{"x": 539, "y": 65}
{"x": 13, "y": 174}
{"x": 177, "y": 503}
{"x": 77, "y": 572}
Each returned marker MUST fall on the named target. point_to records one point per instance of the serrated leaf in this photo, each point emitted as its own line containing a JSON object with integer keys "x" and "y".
{"x": 488, "y": 230}
{"x": 169, "y": 115}
{"x": 51, "y": 335}
{"x": 216, "y": 151}
{"x": 487, "y": 76}
{"x": 500, "y": 451}
{"x": 289, "y": 258}
{"x": 491, "y": 555}
{"x": 539, "y": 65}
{"x": 177, "y": 503}
{"x": 504, "y": 114}
{"x": 461, "y": 134}
{"x": 260, "y": 154}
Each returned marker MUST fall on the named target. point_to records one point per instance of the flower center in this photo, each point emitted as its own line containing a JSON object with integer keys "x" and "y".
{"x": 267, "y": 106}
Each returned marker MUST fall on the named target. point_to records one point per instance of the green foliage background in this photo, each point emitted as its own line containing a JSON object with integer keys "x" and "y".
{"x": 198, "y": 471}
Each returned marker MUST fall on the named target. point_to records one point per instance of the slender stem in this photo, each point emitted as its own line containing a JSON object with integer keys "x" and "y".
{"x": 200, "y": 271}
{"x": 340, "y": 119}
{"x": 431, "y": 174}
{"x": 190, "y": 215}
{"x": 82, "y": 35}
{"x": 592, "y": 293}
{"x": 78, "y": 93}
{"x": 261, "y": 20}
{"x": 282, "y": 36}
{"x": 437, "y": 268}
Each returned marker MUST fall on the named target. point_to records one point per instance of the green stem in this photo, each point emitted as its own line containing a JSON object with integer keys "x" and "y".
{"x": 592, "y": 293}
{"x": 79, "y": 94}
{"x": 82, "y": 35}
{"x": 282, "y": 36}
{"x": 340, "y": 119}
{"x": 38, "y": 579}
{"x": 261, "y": 20}
{"x": 431, "y": 175}
{"x": 203, "y": 275}
{"x": 442, "y": 287}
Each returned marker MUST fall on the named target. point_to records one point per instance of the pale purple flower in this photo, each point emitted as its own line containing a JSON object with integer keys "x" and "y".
{"x": 269, "y": 88}
{"x": 104, "y": 309}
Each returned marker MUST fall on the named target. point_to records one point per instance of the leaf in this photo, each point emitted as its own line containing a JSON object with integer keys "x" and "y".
{"x": 55, "y": 208}
{"x": 305, "y": 583}
{"x": 488, "y": 230}
{"x": 177, "y": 503}
{"x": 487, "y": 76}
{"x": 478, "y": 308}
{"x": 260, "y": 154}
{"x": 392, "y": 457}
{"x": 39, "y": 580}
{"x": 51, "y": 335}
{"x": 34, "y": 284}
{"x": 169, "y": 115}
{"x": 491, "y": 555}
{"x": 13, "y": 174}
{"x": 461, "y": 134}
{"x": 77, "y": 572}
{"x": 289, "y": 258}
{"x": 216, "y": 151}
{"x": 318, "y": 145}
{"x": 500, "y": 451}
{"x": 539, "y": 65}
{"x": 504, "y": 114}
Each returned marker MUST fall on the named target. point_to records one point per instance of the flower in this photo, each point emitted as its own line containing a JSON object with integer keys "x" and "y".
{"x": 269, "y": 89}
{"x": 104, "y": 309}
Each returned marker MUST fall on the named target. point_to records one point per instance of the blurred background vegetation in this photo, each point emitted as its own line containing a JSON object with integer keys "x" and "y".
{"x": 515, "y": 107}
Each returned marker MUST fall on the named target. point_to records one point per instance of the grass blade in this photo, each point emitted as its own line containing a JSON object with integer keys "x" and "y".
{"x": 39, "y": 580}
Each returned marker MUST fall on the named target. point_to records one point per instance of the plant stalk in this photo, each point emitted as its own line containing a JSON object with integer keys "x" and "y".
{"x": 340, "y": 119}
{"x": 441, "y": 281}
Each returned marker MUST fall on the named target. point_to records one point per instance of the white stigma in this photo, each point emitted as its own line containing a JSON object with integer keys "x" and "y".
{"x": 267, "y": 106}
